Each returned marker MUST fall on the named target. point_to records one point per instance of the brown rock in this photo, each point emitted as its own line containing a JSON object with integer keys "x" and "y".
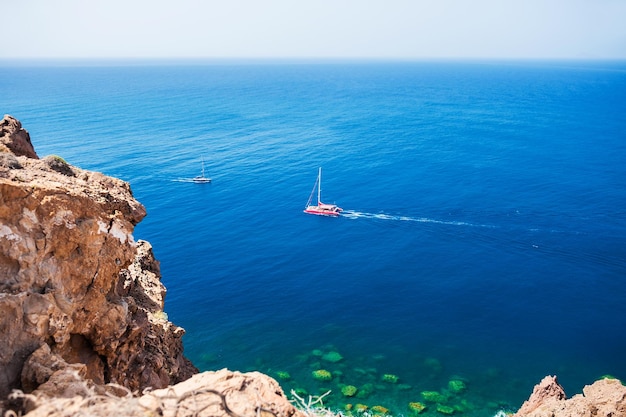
{"x": 209, "y": 394}
{"x": 73, "y": 278}
{"x": 605, "y": 397}
{"x": 52, "y": 376}
{"x": 547, "y": 392}
{"x": 222, "y": 393}
{"x": 14, "y": 139}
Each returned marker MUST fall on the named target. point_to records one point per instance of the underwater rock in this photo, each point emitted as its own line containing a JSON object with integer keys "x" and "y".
{"x": 301, "y": 392}
{"x": 444, "y": 409}
{"x": 416, "y": 407}
{"x": 365, "y": 391}
{"x": 283, "y": 375}
{"x": 433, "y": 397}
{"x": 379, "y": 409}
{"x": 392, "y": 379}
{"x": 349, "y": 390}
{"x": 333, "y": 357}
{"x": 360, "y": 408}
{"x": 465, "y": 406}
{"x": 457, "y": 386}
{"x": 322, "y": 375}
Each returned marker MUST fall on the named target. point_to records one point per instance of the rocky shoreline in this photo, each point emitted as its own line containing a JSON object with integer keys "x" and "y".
{"x": 81, "y": 310}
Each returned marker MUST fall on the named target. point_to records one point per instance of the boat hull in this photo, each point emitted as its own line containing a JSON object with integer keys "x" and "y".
{"x": 201, "y": 180}
{"x": 332, "y": 211}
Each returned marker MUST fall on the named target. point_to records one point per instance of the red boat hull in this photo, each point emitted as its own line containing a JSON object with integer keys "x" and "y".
{"x": 325, "y": 210}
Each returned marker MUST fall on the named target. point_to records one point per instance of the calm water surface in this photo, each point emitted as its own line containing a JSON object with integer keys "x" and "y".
{"x": 484, "y": 235}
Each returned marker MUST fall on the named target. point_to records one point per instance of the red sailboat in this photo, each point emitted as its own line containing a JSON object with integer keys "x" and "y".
{"x": 321, "y": 209}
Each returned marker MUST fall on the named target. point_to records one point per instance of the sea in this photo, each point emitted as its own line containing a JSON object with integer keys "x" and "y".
{"x": 482, "y": 244}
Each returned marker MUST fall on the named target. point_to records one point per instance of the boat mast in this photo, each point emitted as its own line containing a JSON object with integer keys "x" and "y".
{"x": 319, "y": 187}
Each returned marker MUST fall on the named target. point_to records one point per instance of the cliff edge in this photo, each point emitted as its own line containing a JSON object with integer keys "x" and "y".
{"x": 75, "y": 288}
{"x": 81, "y": 304}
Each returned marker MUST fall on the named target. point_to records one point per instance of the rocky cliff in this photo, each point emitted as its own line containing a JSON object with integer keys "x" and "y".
{"x": 82, "y": 327}
{"x": 604, "y": 398}
{"x": 75, "y": 288}
{"x": 222, "y": 393}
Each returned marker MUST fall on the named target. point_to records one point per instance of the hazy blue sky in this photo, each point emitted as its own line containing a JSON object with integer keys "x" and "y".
{"x": 320, "y": 28}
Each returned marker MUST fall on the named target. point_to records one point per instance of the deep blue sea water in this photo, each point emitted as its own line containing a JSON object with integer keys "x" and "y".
{"x": 484, "y": 235}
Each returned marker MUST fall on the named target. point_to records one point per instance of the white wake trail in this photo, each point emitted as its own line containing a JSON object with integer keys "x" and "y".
{"x": 351, "y": 214}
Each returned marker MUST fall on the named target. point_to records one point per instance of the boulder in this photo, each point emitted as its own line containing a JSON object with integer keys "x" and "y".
{"x": 14, "y": 139}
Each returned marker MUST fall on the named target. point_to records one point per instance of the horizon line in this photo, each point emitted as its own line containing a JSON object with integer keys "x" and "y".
{"x": 286, "y": 60}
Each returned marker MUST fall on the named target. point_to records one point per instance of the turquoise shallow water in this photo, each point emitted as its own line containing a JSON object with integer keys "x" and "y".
{"x": 484, "y": 237}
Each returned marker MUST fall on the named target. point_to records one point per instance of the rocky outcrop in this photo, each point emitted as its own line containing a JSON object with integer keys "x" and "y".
{"x": 14, "y": 139}
{"x": 81, "y": 304}
{"x": 210, "y": 394}
{"x": 77, "y": 294}
{"x": 547, "y": 391}
{"x": 224, "y": 393}
{"x": 605, "y": 397}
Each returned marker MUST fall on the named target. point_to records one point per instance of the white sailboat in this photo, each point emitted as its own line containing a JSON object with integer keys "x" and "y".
{"x": 201, "y": 179}
{"x": 321, "y": 209}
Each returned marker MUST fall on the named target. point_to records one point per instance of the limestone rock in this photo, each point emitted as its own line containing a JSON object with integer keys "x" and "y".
{"x": 41, "y": 365}
{"x": 214, "y": 393}
{"x": 14, "y": 139}
{"x": 605, "y": 397}
{"x": 73, "y": 278}
{"x": 52, "y": 376}
{"x": 545, "y": 393}
{"x": 210, "y": 394}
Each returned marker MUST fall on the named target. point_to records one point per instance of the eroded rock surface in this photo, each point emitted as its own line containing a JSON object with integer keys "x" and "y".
{"x": 14, "y": 139}
{"x": 75, "y": 288}
{"x": 605, "y": 397}
{"x": 222, "y": 393}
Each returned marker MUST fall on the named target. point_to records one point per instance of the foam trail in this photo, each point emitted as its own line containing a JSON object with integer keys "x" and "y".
{"x": 351, "y": 214}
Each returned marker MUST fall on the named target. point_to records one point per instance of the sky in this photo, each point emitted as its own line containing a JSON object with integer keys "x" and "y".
{"x": 379, "y": 29}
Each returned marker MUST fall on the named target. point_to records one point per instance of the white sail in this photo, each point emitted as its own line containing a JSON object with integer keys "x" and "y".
{"x": 321, "y": 209}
